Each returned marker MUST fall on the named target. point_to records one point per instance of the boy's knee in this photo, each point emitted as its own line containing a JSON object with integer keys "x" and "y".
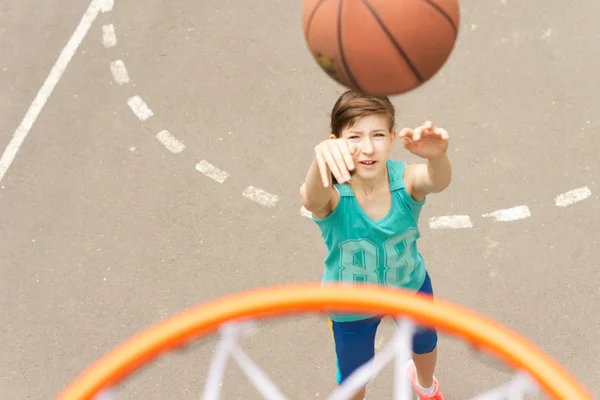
{"x": 425, "y": 342}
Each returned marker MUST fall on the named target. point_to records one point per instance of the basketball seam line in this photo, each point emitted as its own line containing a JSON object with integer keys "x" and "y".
{"x": 399, "y": 48}
{"x": 444, "y": 14}
{"x": 341, "y": 48}
{"x": 310, "y": 19}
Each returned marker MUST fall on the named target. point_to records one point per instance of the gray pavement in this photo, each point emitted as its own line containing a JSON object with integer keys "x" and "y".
{"x": 104, "y": 231}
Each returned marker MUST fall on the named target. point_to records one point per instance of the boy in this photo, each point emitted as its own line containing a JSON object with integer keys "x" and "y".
{"x": 368, "y": 218}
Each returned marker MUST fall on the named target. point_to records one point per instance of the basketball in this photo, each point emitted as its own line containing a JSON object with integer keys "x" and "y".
{"x": 381, "y": 47}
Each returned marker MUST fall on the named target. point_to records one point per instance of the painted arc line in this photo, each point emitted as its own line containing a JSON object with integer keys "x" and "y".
{"x": 109, "y": 38}
{"x": 510, "y": 214}
{"x": 119, "y": 72}
{"x": 211, "y": 171}
{"x": 139, "y": 108}
{"x": 47, "y": 88}
{"x": 450, "y": 222}
{"x": 305, "y": 213}
{"x": 107, "y": 5}
{"x": 571, "y": 197}
{"x": 173, "y": 144}
{"x": 260, "y": 196}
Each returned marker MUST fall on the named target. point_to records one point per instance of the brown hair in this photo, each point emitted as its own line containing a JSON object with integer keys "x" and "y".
{"x": 352, "y": 105}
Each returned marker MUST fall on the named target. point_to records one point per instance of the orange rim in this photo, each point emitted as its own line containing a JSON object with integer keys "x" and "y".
{"x": 203, "y": 319}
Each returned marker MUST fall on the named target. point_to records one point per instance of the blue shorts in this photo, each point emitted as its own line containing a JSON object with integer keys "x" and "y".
{"x": 355, "y": 340}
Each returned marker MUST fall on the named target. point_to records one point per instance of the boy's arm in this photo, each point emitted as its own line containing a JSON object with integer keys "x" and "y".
{"x": 333, "y": 156}
{"x": 432, "y": 177}
{"x": 315, "y": 196}
{"x": 430, "y": 143}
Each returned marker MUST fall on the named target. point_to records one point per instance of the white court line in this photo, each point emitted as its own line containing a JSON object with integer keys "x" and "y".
{"x": 260, "y": 196}
{"x": 107, "y": 6}
{"x": 170, "y": 142}
{"x": 47, "y": 88}
{"x": 139, "y": 108}
{"x": 211, "y": 171}
{"x": 305, "y": 213}
{"x": 109, "y": 38}
{"x": 510, "y": 214}
{"x": 572, "y": 197}
{"x": 119, "y": 72}
{"x": 450, "y": 222}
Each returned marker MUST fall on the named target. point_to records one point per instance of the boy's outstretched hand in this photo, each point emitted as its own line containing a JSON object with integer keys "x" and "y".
{"x": 426, "y": 141}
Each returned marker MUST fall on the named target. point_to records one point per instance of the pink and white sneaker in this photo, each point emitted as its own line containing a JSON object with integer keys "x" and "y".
{"x": 412, "y": 377}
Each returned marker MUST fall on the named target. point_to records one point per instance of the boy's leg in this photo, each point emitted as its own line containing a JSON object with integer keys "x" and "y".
{"x": 354, "y": 345}
{"x": 425, "y": 356}
{"x": 425, "y": 367}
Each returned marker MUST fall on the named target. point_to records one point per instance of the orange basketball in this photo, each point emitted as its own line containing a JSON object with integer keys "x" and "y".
{"x": 381, "y": 47}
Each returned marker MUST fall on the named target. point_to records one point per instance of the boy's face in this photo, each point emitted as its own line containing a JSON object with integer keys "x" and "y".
{"x": 372, "y": 136}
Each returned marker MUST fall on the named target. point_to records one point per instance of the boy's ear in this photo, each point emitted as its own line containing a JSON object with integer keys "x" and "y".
{"x": 332, "y": 136}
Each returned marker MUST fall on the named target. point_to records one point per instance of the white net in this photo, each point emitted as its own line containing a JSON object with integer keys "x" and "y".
{"x": 398, "y": 349}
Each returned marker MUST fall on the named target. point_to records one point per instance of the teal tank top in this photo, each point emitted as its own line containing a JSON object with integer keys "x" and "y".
{"x": 363, "y": 251}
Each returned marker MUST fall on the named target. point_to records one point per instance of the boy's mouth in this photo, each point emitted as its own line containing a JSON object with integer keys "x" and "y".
{"x": 368, "y": 163}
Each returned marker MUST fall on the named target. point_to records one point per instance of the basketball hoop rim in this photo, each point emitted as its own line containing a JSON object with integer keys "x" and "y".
{"x": 299, "y": 298}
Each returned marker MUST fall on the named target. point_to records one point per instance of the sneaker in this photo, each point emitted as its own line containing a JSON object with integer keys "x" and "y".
{"x": 412, "y": 377}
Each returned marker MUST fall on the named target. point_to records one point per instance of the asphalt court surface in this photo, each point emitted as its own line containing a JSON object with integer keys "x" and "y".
{"x": 104, "y": 230}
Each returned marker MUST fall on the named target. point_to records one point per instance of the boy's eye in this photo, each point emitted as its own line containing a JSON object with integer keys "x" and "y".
{"x": 353, "y": 137}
